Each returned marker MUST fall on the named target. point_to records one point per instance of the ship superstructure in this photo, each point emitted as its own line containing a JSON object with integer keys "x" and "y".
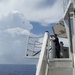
{"x": 48, "y": 64}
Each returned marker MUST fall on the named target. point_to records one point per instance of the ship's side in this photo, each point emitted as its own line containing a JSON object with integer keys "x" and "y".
{"x": 48, "y": 64}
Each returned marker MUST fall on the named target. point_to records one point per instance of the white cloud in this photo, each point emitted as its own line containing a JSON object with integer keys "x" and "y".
{"x": 15, "y": 19}
{"x": 18, "y": 42}
{"x": 12, "y": 50}
{"x": 17, "y": 31}
{"x": 34, "y": 10}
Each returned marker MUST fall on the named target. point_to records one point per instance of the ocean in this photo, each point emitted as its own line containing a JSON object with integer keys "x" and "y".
{"x": 17, "y": 69}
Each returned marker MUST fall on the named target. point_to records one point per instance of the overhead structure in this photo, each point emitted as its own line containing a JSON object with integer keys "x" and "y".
{"x": 60, "y": 30}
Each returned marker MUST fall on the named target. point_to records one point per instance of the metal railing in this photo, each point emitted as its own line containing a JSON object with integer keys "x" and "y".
{"x": 65, "y": 3}
{"x": 33, "y": 47}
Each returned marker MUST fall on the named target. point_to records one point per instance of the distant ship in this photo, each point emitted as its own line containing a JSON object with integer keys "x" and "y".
{"x": 48, "y": 64}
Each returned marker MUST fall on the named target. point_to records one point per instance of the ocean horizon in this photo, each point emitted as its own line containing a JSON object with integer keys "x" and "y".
{"x": 17, "y": 69}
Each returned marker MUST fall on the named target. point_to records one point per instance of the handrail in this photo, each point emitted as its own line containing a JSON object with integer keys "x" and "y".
{"x": 41, "y": 67}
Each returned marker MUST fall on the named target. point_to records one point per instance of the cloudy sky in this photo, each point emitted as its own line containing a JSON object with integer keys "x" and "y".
{"x": 22, "y": 18}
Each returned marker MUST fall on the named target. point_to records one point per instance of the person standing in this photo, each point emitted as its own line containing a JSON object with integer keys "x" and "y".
{"x": 57, "y": 46}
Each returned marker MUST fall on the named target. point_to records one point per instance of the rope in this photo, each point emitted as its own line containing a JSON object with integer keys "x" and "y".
{"x": 37, "y": 37}
{"x": 35, "y": 41}
{"x": 34, "y": 44}
{"x": 37, "y": 47}
{"x": 31, "y": 51}
{"x": 38, "y": 42}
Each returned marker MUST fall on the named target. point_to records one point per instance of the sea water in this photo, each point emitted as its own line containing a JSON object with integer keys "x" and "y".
{"x": 17, "y": 69}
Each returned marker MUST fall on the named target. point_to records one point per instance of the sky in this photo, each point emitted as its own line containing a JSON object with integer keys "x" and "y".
{"x": 22, "y": 18}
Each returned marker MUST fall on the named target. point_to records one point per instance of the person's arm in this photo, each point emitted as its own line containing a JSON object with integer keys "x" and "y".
{"x": 54, "y": 39}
